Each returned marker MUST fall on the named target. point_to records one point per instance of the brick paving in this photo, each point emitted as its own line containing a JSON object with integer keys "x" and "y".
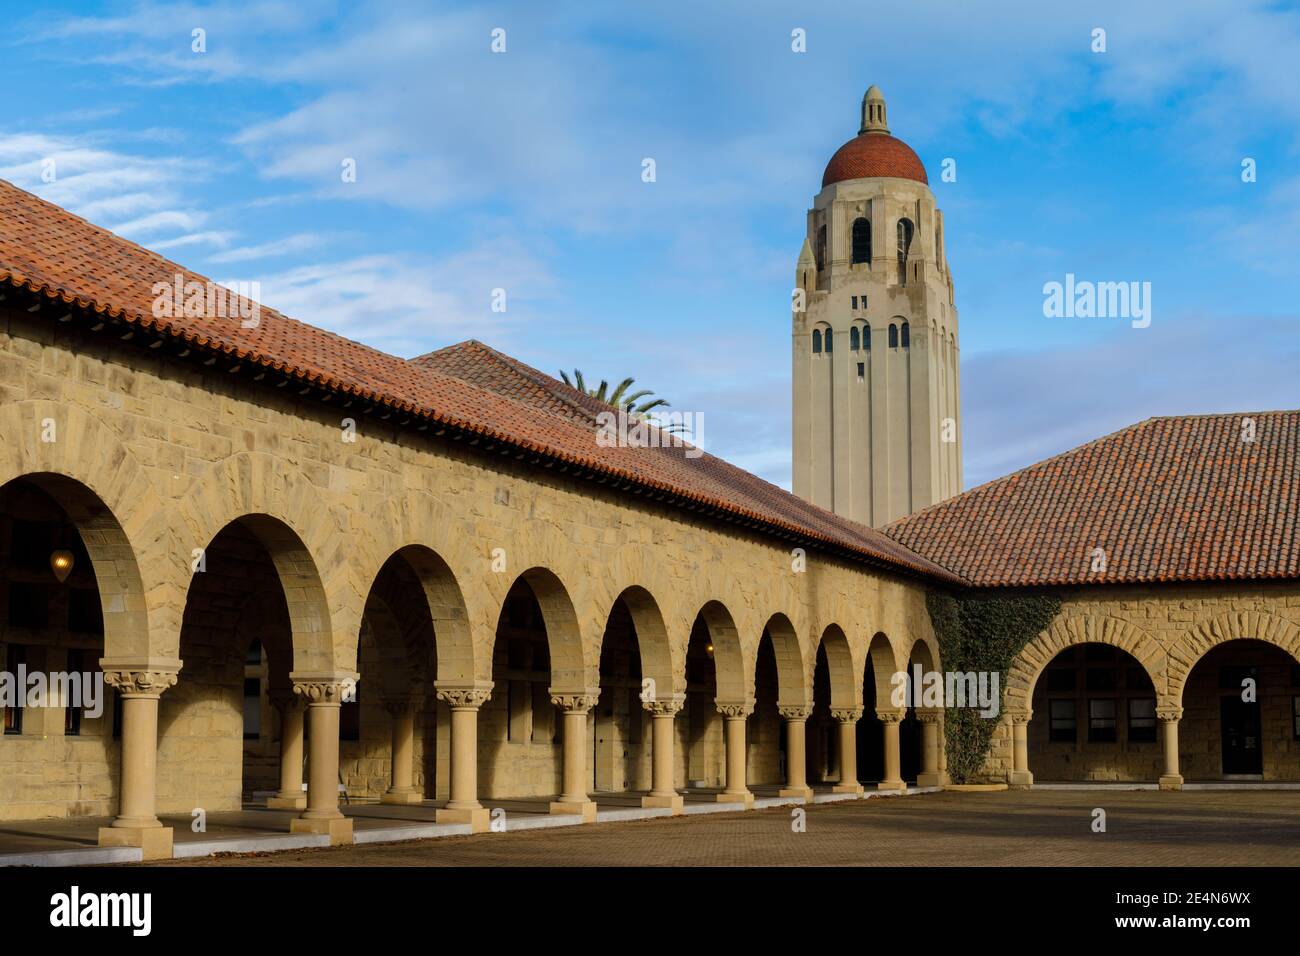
{"x": 1035, "y": 828}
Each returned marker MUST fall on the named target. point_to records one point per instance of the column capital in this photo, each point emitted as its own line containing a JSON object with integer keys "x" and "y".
{"x": 140, "y": 676}
{"x": 889, "y": 716}
{"x": 575, "y": 703}
{"x": 929, "y": 715}
{"x": 327, "y": 688}
{"x": 1020, "y": 716}
{"x": 284, "y": 699}
{"x": 399, "y": 706}
{"x": 794, "y": 711}
{"x": 464, "y": 696}
{"x": 846, "y": 715}
{"x": 734, "y": 709}
{"x": 665, "y": 706}
{"x": 1169, "y": 712}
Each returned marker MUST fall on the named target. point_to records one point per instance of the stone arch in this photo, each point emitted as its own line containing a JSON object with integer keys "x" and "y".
{"x": 122, "y": 519}
{"x": 1231, "y": 626}
{"x": 839, "y": 665}
{"x": 884, "y": 665}
{"x": 651, "y": 638}
{"x": 791, "y": 675}
{"x": 563, "y": 634}
{"x": 735, "y": 683}
{"x": 1081, "y": 629}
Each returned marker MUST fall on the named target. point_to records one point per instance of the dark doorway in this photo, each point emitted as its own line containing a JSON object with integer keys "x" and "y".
{"x": 1240, "y": 722}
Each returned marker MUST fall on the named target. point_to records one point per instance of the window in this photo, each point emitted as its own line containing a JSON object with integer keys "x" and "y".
{"x": 1100, "y": 678}
{"x": 907, "y": 335}
{"x": 15, "y": 658}
{"x": 1062, "y": 678}
{"x": 1101, "y": 721}
{"x": 866, "y": 338}
{"x": 861, "y": 240}
{"x": 829, "y": 340}
{"x": 853, "y": 339}
{"x": 1061, "y": 724}
{"x": 905, "y": 231}
{"x": 1142, "y": 720}
{"x": 862, "y": 370}
{"x": 821, "y": 248}
{"x": 855, "y": 302}
{"x": 893, "y": 336}
{"x": 817, "y": 341}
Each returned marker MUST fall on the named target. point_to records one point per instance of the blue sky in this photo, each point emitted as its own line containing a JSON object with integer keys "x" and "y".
{"x": 522, "y": 170}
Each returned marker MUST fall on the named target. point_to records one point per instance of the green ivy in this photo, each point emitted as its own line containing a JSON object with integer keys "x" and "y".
{"x": 981, "y": 633}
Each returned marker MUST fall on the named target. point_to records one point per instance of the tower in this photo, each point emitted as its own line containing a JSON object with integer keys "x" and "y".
{"x": 877, "y": 411}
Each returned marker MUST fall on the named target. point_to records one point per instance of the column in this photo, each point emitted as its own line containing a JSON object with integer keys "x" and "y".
{"x": 463, "y": 806}
{"x": 848, "y": 736}
{"x": 735, "y": 716}
{"x": 1021, "y": 778}
{"x": 323, "y": 694}
{"x": 290, "y": 706}
{"x": 893, "y": 776}
{"x": 662, "y": 792}
{"x": 796, "y": 753}
{"x": 931, "y": 726}
{"x": 140, "y": 683}
{"x": 1169, "y": 715}
{"x": 573, "y": 798}
{"x": 402, "y": 789}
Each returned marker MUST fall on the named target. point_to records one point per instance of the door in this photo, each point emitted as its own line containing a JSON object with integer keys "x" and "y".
{"x": 1240, "y": 722}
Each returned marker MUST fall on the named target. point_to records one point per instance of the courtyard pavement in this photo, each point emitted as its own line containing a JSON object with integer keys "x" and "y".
{"x": 1008, "y": 828}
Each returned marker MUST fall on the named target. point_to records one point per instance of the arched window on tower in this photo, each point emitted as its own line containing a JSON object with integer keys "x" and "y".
{"x": 907, "y": 335}
{"x": 821, "y": 248}
{"x": 817, "y": 341}
{"x": 866, "y": 338}
{"x": 853, "y": 338}
{"x": 905, "y": 232}
{"x": 862, "y": 240}
{"x": 893, "y": 336}
{"x": 829, "y": 340}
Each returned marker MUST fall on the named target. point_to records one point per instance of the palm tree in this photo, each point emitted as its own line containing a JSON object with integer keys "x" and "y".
{"x": 622, "y": 396}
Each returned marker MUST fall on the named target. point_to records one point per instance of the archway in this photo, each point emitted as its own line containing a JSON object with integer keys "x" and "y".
{"x": 877, "y": 692}
{"x": 715, "y": 674}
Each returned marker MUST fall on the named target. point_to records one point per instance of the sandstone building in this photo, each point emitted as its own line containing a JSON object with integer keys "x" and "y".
{"x": 298, "y": 560}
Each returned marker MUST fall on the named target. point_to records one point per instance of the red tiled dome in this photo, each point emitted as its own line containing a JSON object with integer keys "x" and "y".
{"x": 874, "y": 154}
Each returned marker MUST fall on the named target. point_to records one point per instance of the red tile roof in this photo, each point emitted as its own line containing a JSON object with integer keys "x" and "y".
{"x": 874, "y": 154}
{"x": 50, "y": 251}
{"x": 1167, "y": 499}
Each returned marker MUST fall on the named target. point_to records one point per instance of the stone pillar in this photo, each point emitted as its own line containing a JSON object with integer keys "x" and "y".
{"x": 324, "y": 696}
{"x": 662, "y": 792}
{"x": 893, "y": 775}
{"x": 140, "y": 682}
{"x": 290, "y": 797}
{"x": 1020, "y": 777}
{"x": 463, "y": 806}
{"x": 1169, "y": 715}
{"x": 573, "y": 798}
{"x": 402, "y": 789}
{"x": 847, "y": 717}
{"x": 931, "y": 726}
{"x": 736, "y": 790}
{"x": 796, "y": 754}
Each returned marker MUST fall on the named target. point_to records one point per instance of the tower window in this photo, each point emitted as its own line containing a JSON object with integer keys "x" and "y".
{"x": 893, "y": 336}
{"x": 855, "y": 302}
{"x": 817, "y": 341}
{"x": 829, "y": 339}
{"x": 861, "y": 240}
{"x": 907, "y": 335}
{"x": 853, "y": 339}
{"x": 862, "y": 373}
{"x": 821, "y": 248}
{"x": 866, "y": 338}
{"x": 905, "y": 231}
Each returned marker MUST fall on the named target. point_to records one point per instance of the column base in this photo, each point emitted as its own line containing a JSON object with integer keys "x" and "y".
{"x": 402, "y": 797}
{"x": 155, "y": 842}
{"x": 929, "y": 779}
{"x": 339, "y": 829}
{"x": 291, "y": 802}
{"x": 848, "y": 788}
{"x": 478, "y": 818}
{"x": 675, "y": 803}
{"x": 584, "y": 808}
{"x": 890, "y": 785}
{"x": 1171, "y": 781}
{"x": 806, "y": 793}
{"x": 1020, "y": 779}
{"x": 745, "y": 799}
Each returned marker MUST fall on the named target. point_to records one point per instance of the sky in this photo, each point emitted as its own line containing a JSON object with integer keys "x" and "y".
{"x": 522, "y": 170}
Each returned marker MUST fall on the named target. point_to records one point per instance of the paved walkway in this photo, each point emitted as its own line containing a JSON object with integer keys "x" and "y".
{"x": 1036, "y": 828}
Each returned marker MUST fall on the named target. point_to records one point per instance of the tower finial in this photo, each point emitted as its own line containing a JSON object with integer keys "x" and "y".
{"x": 873, "y": 111}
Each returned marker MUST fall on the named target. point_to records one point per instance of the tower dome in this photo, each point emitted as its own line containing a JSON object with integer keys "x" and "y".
{"x": 873, "y": 152}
